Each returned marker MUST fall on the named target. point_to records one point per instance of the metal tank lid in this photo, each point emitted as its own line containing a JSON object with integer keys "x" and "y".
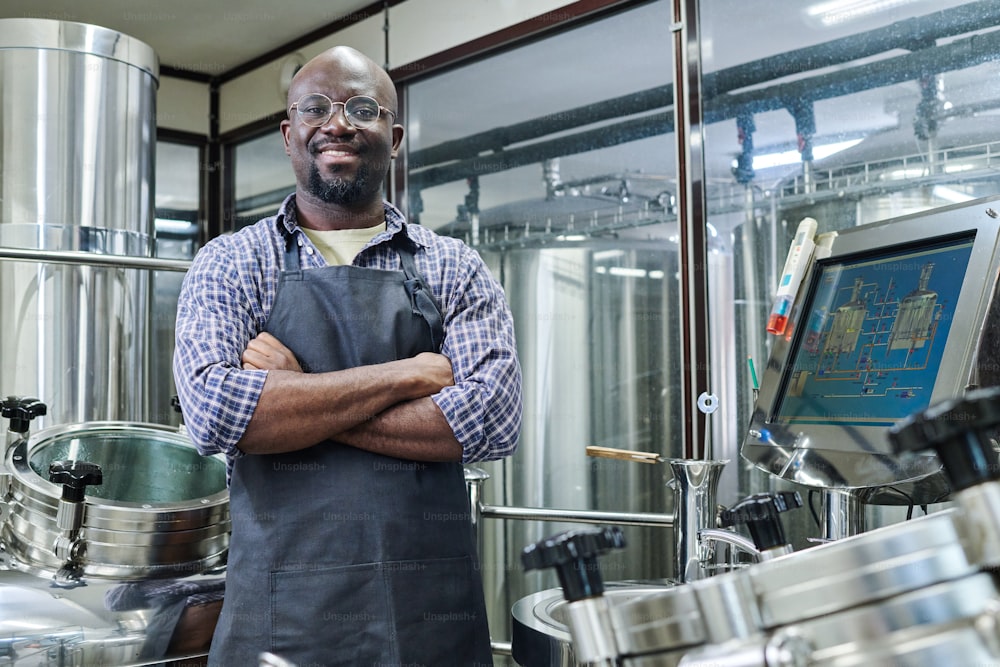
{"x": 33, "y": 33}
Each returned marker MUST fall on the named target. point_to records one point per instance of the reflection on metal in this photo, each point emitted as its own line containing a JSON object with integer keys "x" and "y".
{"x": 143, "y": 578}
{"x": 695, "y": 485}
{"x": 77, "y": 258}
{"x": 77, "y": 104}
{"x": 161, "y": 511}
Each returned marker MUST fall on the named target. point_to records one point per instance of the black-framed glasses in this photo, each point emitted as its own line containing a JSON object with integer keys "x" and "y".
{"x": 361, "y": 111}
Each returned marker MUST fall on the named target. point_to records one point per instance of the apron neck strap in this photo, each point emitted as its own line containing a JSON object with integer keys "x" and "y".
{"x": 291, "y": 252}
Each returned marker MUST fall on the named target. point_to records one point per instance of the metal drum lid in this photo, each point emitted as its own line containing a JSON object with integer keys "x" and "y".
{"x": 859, "y": 570}
{"x": 162, "y": 509}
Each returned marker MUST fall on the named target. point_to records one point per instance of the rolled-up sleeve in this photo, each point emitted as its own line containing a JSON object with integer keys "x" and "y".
{"x": 215, "y": 320}
{"x": 484, "y": 406}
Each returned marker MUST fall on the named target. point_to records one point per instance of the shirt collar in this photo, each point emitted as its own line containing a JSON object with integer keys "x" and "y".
{"x": 394, "y": 221}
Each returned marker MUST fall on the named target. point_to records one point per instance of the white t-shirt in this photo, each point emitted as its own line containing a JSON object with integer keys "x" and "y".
{"x": 340, "y": 246}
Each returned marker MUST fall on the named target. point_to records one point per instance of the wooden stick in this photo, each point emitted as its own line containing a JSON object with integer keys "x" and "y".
{"x": 623, "y": 454}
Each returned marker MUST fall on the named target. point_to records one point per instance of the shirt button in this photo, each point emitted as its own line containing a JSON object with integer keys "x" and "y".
{"x": 309, "y": 250}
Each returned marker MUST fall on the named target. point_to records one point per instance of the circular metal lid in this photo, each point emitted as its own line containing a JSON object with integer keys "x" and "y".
{"x": 29, "y": 33}
{"x": 140, "y": 465}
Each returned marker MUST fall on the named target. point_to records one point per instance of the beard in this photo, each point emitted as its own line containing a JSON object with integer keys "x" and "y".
{"x": 340, "y": 190}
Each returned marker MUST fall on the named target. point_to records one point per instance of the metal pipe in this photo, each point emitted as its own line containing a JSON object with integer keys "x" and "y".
{"x": 910, "y": 33}
{"x": 77, "y": 257}
{"x": 577, "y": 516}
{"x": 501, "y": 648}
{"x": 692, "y": 205}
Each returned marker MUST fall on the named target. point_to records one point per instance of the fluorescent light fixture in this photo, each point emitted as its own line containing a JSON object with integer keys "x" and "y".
{"x": 176, "y": 226}
{"x": 836, "y": 12}
{"x": 627, "y": 272}
{"x": 769, "y": 160}
{"x": 950, "y": 194}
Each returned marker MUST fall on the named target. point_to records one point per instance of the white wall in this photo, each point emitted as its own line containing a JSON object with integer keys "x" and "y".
{"x": 417, "y": 29}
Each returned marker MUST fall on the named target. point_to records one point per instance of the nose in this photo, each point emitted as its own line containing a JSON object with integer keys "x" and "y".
{"x": 338, "y": 117}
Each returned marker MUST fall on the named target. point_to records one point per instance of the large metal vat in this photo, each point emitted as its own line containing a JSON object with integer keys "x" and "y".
{"x": 161, "y": 511}
{"x": 77, "y": 116}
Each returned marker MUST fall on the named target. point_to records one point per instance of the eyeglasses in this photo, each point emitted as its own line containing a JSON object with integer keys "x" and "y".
{"x": 361, "y": 111}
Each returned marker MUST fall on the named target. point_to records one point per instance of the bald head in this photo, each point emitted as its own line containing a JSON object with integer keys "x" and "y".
{"x": 347, "y": 67}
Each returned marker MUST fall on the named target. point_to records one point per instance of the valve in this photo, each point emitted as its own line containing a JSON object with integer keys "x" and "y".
{"x": 759, "y": 513}
{"x": 574, "y": 554}
{"x": 75, "y": 477}
{"x": 20, "y": 411}
{"x": 958, "y": 430}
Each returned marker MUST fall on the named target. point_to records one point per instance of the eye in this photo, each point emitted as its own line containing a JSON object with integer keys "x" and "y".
{"x": 365, "y": 113}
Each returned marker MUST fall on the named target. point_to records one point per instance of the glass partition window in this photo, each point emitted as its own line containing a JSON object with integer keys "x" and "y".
{"x": 845, "y": 112}
{"x": 555, "y": 160}
{"x": 178, "y": 199}
{"x": 262, "y": 177}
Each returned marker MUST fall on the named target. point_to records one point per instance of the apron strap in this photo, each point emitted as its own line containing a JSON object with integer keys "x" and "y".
{"x": 421, "y": 299}
{"x": 291, "y": 253}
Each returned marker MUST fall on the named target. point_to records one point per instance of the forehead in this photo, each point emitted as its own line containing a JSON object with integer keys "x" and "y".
{"x": 337, "y": 80}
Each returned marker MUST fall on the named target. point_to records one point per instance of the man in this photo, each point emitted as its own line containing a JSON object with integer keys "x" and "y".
{"x": 346, "y": 363}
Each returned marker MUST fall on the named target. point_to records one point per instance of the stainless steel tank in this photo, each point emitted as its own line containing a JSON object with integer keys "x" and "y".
{"x": 598, "y": 331}
{"x": 77, "y": 116}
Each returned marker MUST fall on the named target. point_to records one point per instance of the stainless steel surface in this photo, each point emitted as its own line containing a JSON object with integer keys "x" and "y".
{"x": 77, "y": 104}
{"x": 597, "y": 334}
{"x": 77, "y": 258}
{"x": 909, "y": 629}
{"x": 860, "y": 570}
{"x": 695, "y": 485}
{"x": 105, "y": 622}
{"x": 590, "y": 628}
{"x": 659, "y": 621}
{"x": 706, "y": 536}
{"x": 577, "y": 516}
{"x": 978, "y": 521}
{"x": 843, "y": 514}
{"x": 541, "y": 636}
{"x": 728, "y": 605}
{"x": 163, "y": 510}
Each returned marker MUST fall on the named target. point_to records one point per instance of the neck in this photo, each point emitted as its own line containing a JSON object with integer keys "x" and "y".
{"x": 312, "y": 213}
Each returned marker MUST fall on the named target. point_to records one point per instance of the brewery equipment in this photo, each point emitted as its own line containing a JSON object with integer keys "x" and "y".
{"x": 114, "y": 529}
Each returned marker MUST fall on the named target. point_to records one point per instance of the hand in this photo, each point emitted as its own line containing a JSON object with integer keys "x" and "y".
{"x": 267, "y": 353}
{"x": 431, "y": 371}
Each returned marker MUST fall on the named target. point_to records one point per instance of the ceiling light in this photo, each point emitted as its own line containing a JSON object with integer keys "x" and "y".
{"x": 950, "y": 194}
{"x": 768, "y": 160}
{"x": 836, "y": 12}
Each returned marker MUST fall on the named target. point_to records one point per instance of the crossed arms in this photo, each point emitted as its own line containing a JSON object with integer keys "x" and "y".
{"x": 382, "y": 408}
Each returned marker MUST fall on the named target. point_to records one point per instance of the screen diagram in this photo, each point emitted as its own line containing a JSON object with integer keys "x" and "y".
{"x": 875, "y": 332}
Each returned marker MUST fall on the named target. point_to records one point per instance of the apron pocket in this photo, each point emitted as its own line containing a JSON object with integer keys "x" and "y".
{"x": 439, "y": 611}
{"x": 331, "y": 616}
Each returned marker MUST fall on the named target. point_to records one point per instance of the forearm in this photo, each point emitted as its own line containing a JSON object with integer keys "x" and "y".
{"x": 414, "y": 430}
{"x": 298, "y": 410}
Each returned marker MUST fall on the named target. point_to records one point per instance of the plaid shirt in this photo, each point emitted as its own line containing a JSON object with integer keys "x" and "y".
{"x": 228, "y": 293}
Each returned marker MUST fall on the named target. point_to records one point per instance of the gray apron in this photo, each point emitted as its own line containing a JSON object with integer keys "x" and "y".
{"x": 340, "y": 556}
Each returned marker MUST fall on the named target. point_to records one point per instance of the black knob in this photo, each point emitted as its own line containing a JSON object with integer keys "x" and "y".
{"x": 20, "y": 411}
{"x": 759, "y": 513}
{"x": 574, "y": 555}
{"x": 958, "y": 430}
{"x": 75, "y": 476}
